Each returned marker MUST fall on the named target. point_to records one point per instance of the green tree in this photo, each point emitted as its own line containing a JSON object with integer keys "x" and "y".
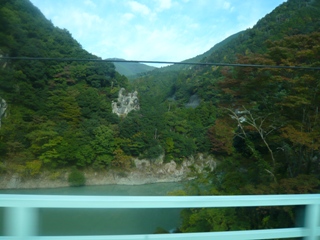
{"x": 221, "y": 137}
{"x": 104, "y": 145}
{"x": 76, "y": 178}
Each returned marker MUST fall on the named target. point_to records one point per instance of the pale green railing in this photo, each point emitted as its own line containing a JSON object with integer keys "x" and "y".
{"x": 21, "y": 214}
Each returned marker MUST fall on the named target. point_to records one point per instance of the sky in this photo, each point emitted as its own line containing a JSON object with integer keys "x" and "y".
{"x": 153, "y": 30}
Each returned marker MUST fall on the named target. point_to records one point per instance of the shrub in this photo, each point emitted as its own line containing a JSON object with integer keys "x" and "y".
{"x": 33, "y": 168}
{"x": 55, "y": 175}
{"x": 122, "y": 174}
{"x": 153, "y": 152}
{"x": 3, "y": 168}
{"x": 76, "y": 178}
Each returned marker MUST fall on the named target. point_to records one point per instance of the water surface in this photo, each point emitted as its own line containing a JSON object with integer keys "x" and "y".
{"x": 104, "y": 221}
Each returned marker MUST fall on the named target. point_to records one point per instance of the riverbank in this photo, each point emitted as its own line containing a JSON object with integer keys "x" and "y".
{"x": 143, "y": 173}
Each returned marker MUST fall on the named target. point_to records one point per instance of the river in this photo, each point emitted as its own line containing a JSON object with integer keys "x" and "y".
{"x": 104, "y": 221}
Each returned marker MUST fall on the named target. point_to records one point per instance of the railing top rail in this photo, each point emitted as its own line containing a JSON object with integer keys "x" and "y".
{"x": 227, "y": 235}
{"x": 66, "y": 201}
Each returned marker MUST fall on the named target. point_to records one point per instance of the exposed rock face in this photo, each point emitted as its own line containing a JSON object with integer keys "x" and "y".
{"x": 144, "y": 172}
{"x": 171, "y": 171}
{"x": 4, "y": 63}
{"x": 194, "y": 101}
{"x": 125, "y": 103}
{"x": 3, "y": 108}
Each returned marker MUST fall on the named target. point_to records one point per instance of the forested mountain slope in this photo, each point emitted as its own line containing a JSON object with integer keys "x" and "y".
{"x": 290, "y": 18}
{"x": 200, "y": 57}
{"x": 130, "y": 69}
{"x": 261, "y": 123}
{"x": 264, "y": 122}
{"x": 58, "y": 113}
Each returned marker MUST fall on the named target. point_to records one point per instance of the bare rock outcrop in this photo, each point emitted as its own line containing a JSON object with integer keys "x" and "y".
{"x": 144, "y": 172}
{"x": 3, "y": 108}
{"x": 125, "y": 103}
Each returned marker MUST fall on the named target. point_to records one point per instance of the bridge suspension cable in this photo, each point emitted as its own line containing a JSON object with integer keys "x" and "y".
{"x": 159, "y": 62}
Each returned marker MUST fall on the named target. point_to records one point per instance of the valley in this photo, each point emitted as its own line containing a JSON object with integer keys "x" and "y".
{"x": 257, "y": 128}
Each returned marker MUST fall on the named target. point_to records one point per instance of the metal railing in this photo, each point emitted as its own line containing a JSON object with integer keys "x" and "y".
{"x": 21, "y": 214}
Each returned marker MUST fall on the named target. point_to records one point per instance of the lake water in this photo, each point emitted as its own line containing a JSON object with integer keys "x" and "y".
{"x": 104, "y": 221}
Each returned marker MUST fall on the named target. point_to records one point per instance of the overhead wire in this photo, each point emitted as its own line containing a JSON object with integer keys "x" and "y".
{"x": 159, "y": 62}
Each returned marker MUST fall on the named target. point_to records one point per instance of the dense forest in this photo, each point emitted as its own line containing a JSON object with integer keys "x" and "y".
{"x": 261, "y": 124}
{"x": 59, "y": 113}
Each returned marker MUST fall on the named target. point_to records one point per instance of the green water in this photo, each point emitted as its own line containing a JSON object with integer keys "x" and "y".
{"x": 104, "y": 221}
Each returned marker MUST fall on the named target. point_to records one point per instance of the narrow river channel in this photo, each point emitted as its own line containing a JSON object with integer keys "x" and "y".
{"x": 104, "y": 221}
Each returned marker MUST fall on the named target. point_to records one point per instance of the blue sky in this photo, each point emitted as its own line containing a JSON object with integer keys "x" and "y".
{"x": 155, "y": 30}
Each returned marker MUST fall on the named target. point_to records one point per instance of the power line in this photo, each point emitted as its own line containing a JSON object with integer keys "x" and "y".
{"x": 158, "y": 62}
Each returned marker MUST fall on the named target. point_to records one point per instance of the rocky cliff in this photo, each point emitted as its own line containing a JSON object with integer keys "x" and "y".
{"x": 144, "y": 172}
{"x": 3, "y": 108}
{"x": 125, "y": 103}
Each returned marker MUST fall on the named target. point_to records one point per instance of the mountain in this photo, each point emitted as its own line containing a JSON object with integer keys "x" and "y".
{"x": 200, "y": 57}
{"x": 290, "y": 18}
{"x": 131, "y": 69}
{"x": 262, "y": 121}
{"x": 260, "y": 125}
{"x": 58, "y": 113}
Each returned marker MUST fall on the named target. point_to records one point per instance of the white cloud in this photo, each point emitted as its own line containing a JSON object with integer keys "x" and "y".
{"x": 249, "y": 18}
{"x": 139, "y": 8}
{"x": 163, "y": 5}
{"x": 166, "y": 43}
{"x": 227, "y": 6}
{"x": 127, "y": 17}
{"x": 193, "y": 25}
{"x": 81, "y": 22}
{"x": 168, "y": 30}
{"x": 90, "y": 3}
{"x": 221, "y": 4}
